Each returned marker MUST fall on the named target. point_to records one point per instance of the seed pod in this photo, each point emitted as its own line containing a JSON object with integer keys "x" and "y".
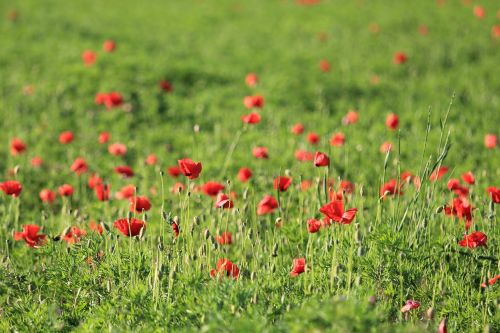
{"x": 288, "y": 173}
{"x": 439, "y": 209}
{"x": 196, "y": 220}
{"x": 176, "y": 220}
{"x": 275, "y": 250}
{"x": 206, "y": 234}
{"x": 252, "y": 276}
{"x": 245, "y": 194}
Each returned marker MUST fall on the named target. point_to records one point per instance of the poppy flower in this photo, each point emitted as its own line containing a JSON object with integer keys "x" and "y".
{"x": 390, "y": 188}
{"x": 211, "y": 188}
{"x": 94, "y": 180}
{"x": 346, "y": 186}
{"x": 282, "y": 183}
{"x": 66, "y": 137}
{"x": 151, "y": 159}
{"x": 313, "y": 138}
{"x": 104, "y": 137}
{"x": 126, "y": 192}
{"x": 166, "y": 86}
{"x": 298, "y": 129}
{"x": 303, "y": 155}
{"x": 305, "y": 185}
{"x": 223, "y": 201}
{"x": 491, "y": 281}
{"x": 139, "y": 204}
{"x": 469, "y": 178}
{"x": 124, "y": 171}
{"x": 461, "y": 208}
{"x": 226, "y": 268}
{"x": 174, "y": 171}
{"x": 260, "y": 152}
{"x": 471, "y": 241}
{"x": 251, "y": 118}
{"x": 308, "y": 2}
{"x": 392, "y": 121}
{"x": 96, "y": 227}
{"x": 407, "y": 176}
{"x": 386, "y": 147}
{"x": 130, "y": 228}
{"x": 47, "y": 195}
{"x": 113, "y": 100}
{"x": 251, "y": 79}
{"x": 102, "y": 191}
{"x": 410, "y": 305}
{"x": 117, "y": 149}
{"x": 267, "y": 205}
{"x": 12, "y": 188}
{"x": 321, "y": 159}
{"x": 89, "y": 57}
{"x": 177, "y": 187}
{"x": 73, "y": 235}
{"x": 189, "y": 168}
{"x": 30, "y": 235}
{"x": 109, "y": 46}
{"x": 335, "y": 211}
{"x": 438, "y": 173}
{"x": 495, "y": 31}
{"x": 79, "y": 166}
{"x": 65, "y": 190}
{"x": 324, "y": 66}
{"x": 399, "y": 58}
{"x": 299, "y": 266}
{"x": 313, "y": 225}
{"x": 490, "y": 141}
{"x": 337, "y": 139}
{"x": 256, "y": 101}
{"x": 244, "y": 174}
{"x": 226, "y": 238}
{"x": 350, "y": 118}
{"x": 17, "y": 147}
{"x": 175, "y": 229}
{"x": 36, "y": 162}
{"x": 479, "y": 12}
{"x": 455, "y": 186}
{"x": 494, "y": 193}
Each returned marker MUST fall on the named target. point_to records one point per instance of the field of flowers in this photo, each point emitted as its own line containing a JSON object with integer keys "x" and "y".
{"x": 249, "y": 166}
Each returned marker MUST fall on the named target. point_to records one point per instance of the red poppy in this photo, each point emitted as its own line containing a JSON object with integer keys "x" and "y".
{"x": 96, "y": 227}
{"x": 211, "y": 188}
{"x": 335, "y": 211}
{"x": 346, "y": 186}
{"x": 126, "y": 192}
{"x": 324, "y": 66}
{"x": 494, "y": 193}
{"x": 66, "y": 137}
{"x": 255, "y": 101}
{"x": 479, "y": 12}
{"x": 114, "y": 99}
{"x": 495, "y": 31}
{"x": 303, "y": 155}
{"x": 461, "y": 208}
{"x": 313, "y": 138}
{"x": 17, "y": 147}
{"x": 390, "y": 188}
{"x": 410, "y": 305}
{"x": 267, "y": 205}
{"x": 178, "y": 187}
{"x": 469, "y": 178}
{"x": 47, "y": 195}
{"x": 400, "y": 58}
{"x": 490, "y": 141}
{"x": 109, "y": 45}
{"x": 438, "y": 173}
{"x": 491, "y": 281}
{"x": 251, "y": 118}
{"x": 260, "y": 152}
{"x": 392, "y": 121}
{"x": 130, "y": 229}
{"x": 471, "y": 241}
{"x": 223, "y": 201}
{"x": 117, "y": 149}
{"x": 337, "y": 139}
{"x": 175, "y": 229}
{"x": 226, "y": 268}
{"x": 455, "y": 186}
{"x": 174, "y": 171}
{"x": 386, "y": 147}
{"x": 305, "y": 185}
{"x": 30, "y": 235}
{"x": 226, "y": 238}
{"x": 189, "y": 168}
{"x": 12, "y": 188}
{"x": 65, "y": 190}
{"x": 244, "y": 174}
{"x": 251, "y": 79}
{"x": 321, "y": 159}
{"x": 94, "y": 180}
{"x": 151, "y": 159}
{"x": 166, "y": 86}
{"x": 299, "y": 266}
{"x": 89, "y": 57}
{"x": 139, "y": 204}
{"x": 102, "y": 191}
{"x": 313, "y": 225}
{"x": 73, "y": 235}
{"x": 79, "y": 166}
{"x": 36, "y": 162}
{"x": 350, "y": 118}
{"x": 124, "y": 171}
{"x": 298, "y": 129}
{"x": 282, "y": 183}
{"x": 104, "y": 137}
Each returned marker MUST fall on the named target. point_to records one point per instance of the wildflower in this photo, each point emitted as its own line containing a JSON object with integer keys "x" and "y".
{"x": 335, "y": 211}
{"x": 189, "y": 168}
{"x": 31, "y": 236}
{"x": 130, "y": 228}
{"x": 299, "y": 266}
{"x": 267, "y": 205}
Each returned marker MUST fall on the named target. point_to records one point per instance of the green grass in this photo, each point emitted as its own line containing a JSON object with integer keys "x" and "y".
{"x": 396, "y": 249}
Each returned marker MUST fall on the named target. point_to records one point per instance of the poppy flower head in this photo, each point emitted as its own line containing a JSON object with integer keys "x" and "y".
{"x": 130, "y": 228}
{"x": 117, "y": 149}
{"x": 17, "y": 147}
{"x": 65, "y": 190}
{"x": 175, "y": 229}
{"x": 298, "y": 266}
{"x": 96, "y": 227}
{"x": 174, "y": 171}
{"x": 337, "y": 139}
{"x": 321, "y": 159}
{"x": 335, "y": 211}
{"x": 390, "y": 188}
{"x": 47, "y": 195}
{"x": 313, "y": 138}
{"x": 189, "y": 168}
{"x": 66, "y": 137}
{"x": 226, "y": 268}
{"x": 350, "y": 118}
{"x": 79, "y": 166}
{"x": 438, "y": 173}
{"x": 36, "y": 162}
{"x": 490, "y": 141}
{"x": 255, "y": 101}
{"x": 31, "y": 236}
{"x": 251, "y": 118}
{"x": 495, "y": 31}
{"x": 109, "y": 46}
{"x": 212, "y": 188}
{"x": 324, "y": 65}
{"x": 455, "y": 186}
{"x": 392, "y": 121}
{"x": 474, "y": 240}
{"x": 73, "y": 235}
{"x": 139, "y": 204}
{"x": 494, "y": 193}
{"x": 282, "y": 183}
{"x": 399, "y": 58}
{"x": 303, "y": 155}
{"x": 104, "y": 137}
{"x": 93, "y": 180}
{"x": 124, "y": 171}
{"x": 469, "y": 178}
{"x": 151, "y": 159}
{"x": 177, "y": 188}
{"x": 166, "y": 86}
{"x": 226, "y": 238}
{"x": 267, "y": 205}
{"x": 12, "y": 188}
{"x": 244, "y": 174}
{"x": 298, "y": 129}
{"x": 89, "y": 57}
{"x": 127, "y": 192}
{"x": 102, "y": 191}
{"x": 260, "y": 152}
{"x": 223, "y": 201}
{"x": 479, "y": 12}
{"x": 313, "y": 225}
{"x": 251, "y": 79}
{"x": 410, "y": 305}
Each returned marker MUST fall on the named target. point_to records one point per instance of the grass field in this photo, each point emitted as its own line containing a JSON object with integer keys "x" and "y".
{"x": 414, "y": 256}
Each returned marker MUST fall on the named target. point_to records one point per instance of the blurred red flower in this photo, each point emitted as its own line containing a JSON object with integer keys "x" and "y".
{"x": 30, "y": 235}
{"x": 211, "y": 188}
{"x": 321, "y": 159}
{"x": 130, "y": 228}
{"x": 66, "y": 137}
{"x": 282, "y": 183}
{"x": 251, "y": 79}
{"x": 392, "y": 121}
{"x": 256, "y": 101}
{"x": 17, "y": 147}
{"x": 124, "y": 171}
{"x": 267, "y": 205}
{"x": 226, "y": 268}
{"x": 109, "y": 45}
{"x": 117, "y": 149}
{"x": 251, "y": 118}
{"x": 226, "y": 238}
{"x": 73, "y": 235}
{"x": 189, "y": 168}
{"x": 65, "y": 190}
{"x": 400, "y": 58}
{"x": 299, "y": 266}
{"x": 47, "y": 195}
{"x": 244, "y": 174}
{"x": 490, "y": 141}
{"x": 335, "y": 211}
{"x": 166, "y": 86}
{"x": 89, "y": 57}
{"x": 102, "y": 191}
{"x": 260, "y": 152}
{"x": 79, "y": 166}
{"x": 223, "y": 201}
{"x": 11, "y": 187}
{"x": 476, "y": 239}
{"x": 410, "y": 305}
{"x": 337, "y": 139}
{"x": 139, "y": 204}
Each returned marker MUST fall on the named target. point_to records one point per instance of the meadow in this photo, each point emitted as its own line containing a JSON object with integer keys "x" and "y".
{"x": 249, "y": 166}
